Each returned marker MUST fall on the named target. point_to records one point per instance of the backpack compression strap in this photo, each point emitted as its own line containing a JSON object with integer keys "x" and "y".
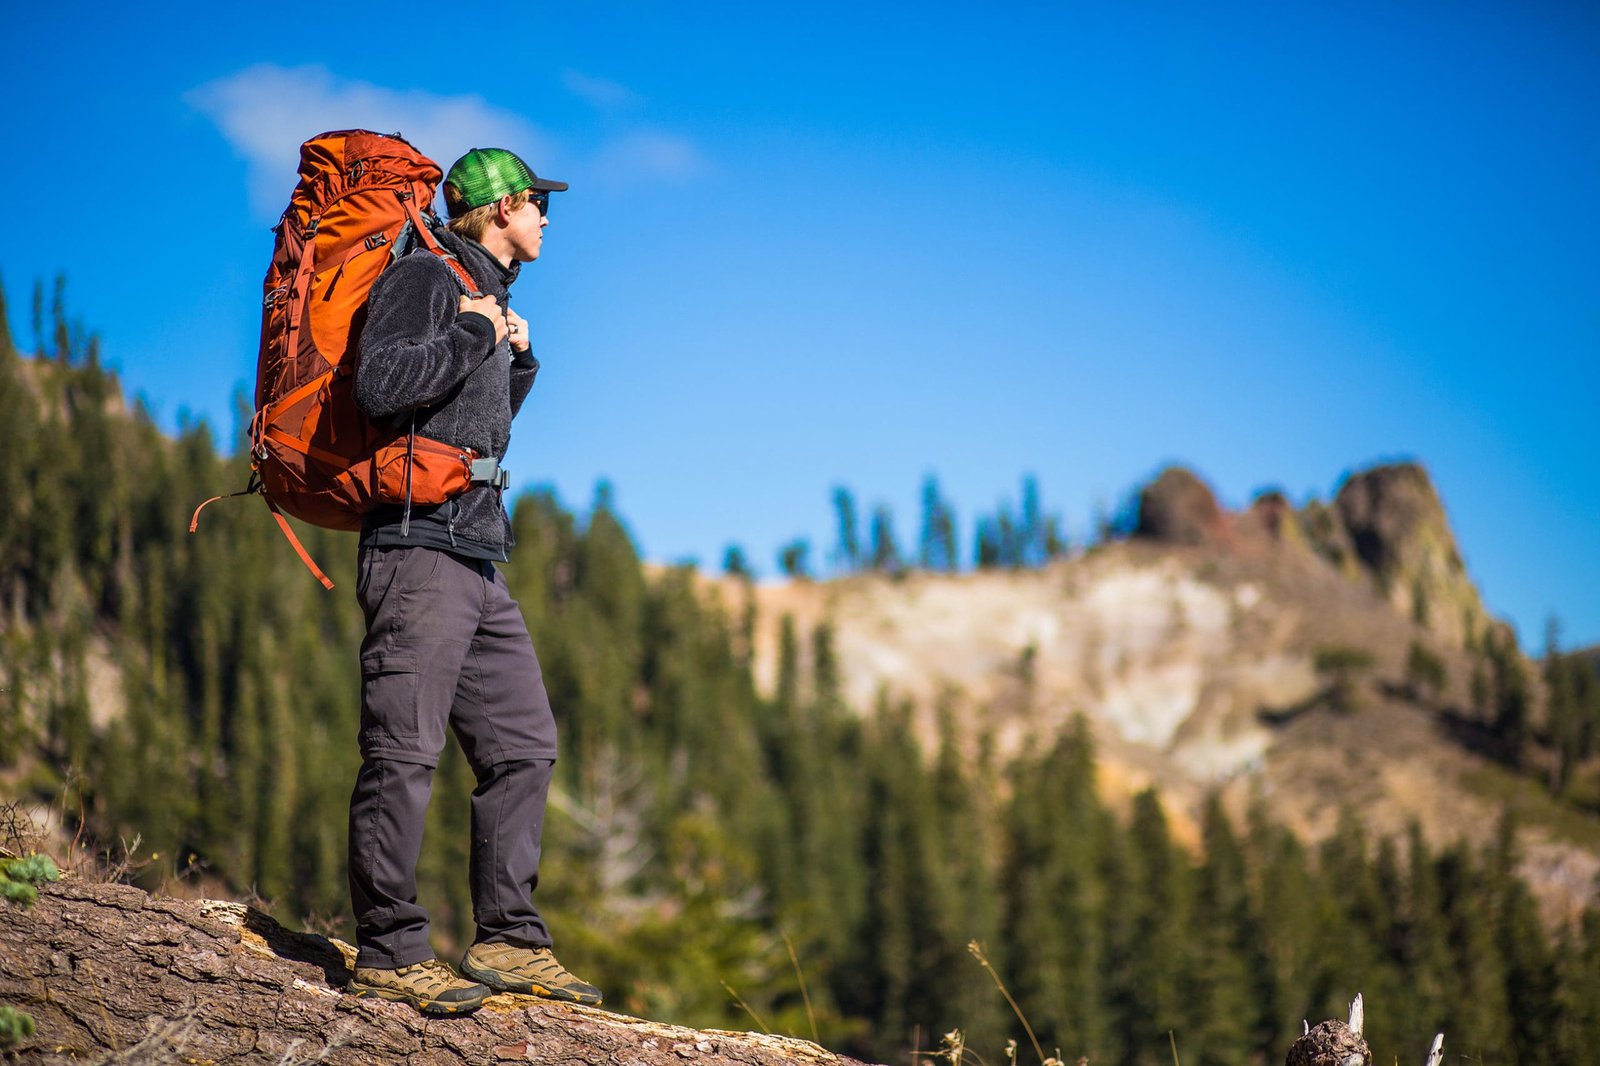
{"x": 294, "y": 542}
{"x": 299, "y": 549}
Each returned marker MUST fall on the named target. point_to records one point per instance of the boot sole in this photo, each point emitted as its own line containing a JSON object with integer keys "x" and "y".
{"x": 506, "y": 983}
{"x": 426, "y": 1006}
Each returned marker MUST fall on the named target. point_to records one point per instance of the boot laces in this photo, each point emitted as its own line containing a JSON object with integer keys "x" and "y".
{"x": 431, "y": 976}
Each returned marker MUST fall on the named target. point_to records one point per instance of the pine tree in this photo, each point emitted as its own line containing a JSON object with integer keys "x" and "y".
{"x": 793, "y": 559}
{"x": 1057, "y": 902}
{"x": 988, "y": 550}
{"x": 847, "y": 552}
{"x": 885, "y": 552}
{"x": 1422, "y": 947}
{"x": 1220, "y": 1005}
{"x": 1160, "y": 956}
{"x": 1508, "y": 689}
{"x": 938, "y": 543}
{"x": 1286, "y": 895}
{"x": 18, "y": 421}
{"x": 965, "y": 807}
{"x": 1477, "y": 967}
{"x": 734, "y": 563}
{"x": 1578, "y": 1004}
{"x": 1530, "y": 992}
{"x": 1031, "y": 534}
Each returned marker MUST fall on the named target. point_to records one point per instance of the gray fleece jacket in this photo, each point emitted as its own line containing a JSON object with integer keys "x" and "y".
{"x": 420, "y": 354}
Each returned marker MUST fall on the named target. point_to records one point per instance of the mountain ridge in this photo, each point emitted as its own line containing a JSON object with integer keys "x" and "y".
{"x": 1199, "y": 647}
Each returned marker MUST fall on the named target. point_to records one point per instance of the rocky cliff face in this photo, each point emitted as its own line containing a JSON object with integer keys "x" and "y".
{"x": 1397, "y": 527}
{"x": 1194, "y": 650}
{"x": 1387, "y": 524}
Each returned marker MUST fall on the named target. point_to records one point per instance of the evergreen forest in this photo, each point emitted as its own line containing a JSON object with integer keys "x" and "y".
{"x": 716, "y": 855}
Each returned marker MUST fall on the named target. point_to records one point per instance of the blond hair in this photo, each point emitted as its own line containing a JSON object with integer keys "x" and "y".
{"x": 474, "y": 223}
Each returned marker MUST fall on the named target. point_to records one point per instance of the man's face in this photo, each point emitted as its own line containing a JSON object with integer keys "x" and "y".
{"x": 525, "y": 230}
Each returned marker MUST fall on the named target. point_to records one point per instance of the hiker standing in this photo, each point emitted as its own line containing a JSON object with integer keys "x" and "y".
{"x": 445, "y": 642}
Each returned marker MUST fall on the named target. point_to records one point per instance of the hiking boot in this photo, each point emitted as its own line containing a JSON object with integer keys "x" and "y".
{"x": 431, "y": 987}
{"x": 531, "y": 971}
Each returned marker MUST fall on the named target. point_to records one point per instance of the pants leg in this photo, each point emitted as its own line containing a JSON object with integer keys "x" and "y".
{"x": 422, "y": 609}
{"x": 502, "y": 718}
{"x": 387, "y": 811}
{"x": 507, "y": 824}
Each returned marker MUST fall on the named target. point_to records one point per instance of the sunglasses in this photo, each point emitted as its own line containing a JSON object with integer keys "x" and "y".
{"x": 541, "y": 200}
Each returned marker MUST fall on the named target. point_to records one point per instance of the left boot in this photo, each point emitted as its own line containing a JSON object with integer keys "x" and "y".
{"x": 531, "y": 971}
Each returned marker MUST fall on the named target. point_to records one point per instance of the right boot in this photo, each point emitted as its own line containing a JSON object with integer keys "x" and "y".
{"x": 431, "y": 987}
{"x": 530, "y": 971}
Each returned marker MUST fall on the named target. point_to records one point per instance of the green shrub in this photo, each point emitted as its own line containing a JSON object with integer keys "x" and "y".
{"x": 1339, "y": 665}
{"x": 18, "y": 876}
{"x": 14, "y": 1025}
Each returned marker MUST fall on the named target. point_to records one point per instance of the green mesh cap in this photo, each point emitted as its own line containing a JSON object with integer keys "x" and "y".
{"x": 484, "y": 175}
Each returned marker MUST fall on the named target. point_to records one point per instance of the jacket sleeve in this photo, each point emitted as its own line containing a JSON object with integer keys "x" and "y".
{"x": 524, "y": 368}
{"x": 416, "y": 346}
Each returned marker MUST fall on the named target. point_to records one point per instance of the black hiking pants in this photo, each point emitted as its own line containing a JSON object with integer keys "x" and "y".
{"x": 445, "y": 645}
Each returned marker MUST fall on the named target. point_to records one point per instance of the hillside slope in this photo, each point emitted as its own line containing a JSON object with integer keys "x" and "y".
{"x": 1194, "y": 649}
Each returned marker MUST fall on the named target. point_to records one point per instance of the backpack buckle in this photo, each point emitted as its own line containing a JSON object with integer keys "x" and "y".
{"x": 489, "y": 472}
{"x": 377, "y": 240}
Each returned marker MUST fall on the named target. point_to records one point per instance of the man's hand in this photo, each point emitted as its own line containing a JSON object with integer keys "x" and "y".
{"x": 519, "y": 331}
{"x": 488, "y": 307}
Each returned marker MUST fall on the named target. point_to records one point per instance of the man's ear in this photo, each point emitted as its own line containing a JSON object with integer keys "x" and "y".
{"x": 502, "y": 210}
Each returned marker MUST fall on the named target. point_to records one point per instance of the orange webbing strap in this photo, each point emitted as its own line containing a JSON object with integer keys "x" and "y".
{"x": 294, "y": 542}
{"x": 289, "y": 399}
{"x": 283, "y": 524}
{"x": 430, "y": 242}
{"x": 194, "y": 520}
{"x": 273, "y": 433}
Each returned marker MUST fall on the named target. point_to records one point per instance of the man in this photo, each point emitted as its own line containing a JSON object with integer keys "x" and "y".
{"x": 445, "y": 641}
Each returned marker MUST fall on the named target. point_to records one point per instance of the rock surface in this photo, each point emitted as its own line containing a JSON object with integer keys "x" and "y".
{"x": 1179, "y": 508}
{"x": 1397, "y": 525}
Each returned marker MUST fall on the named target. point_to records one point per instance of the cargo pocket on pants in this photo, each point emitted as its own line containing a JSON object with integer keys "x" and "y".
{"x": 389, "y": 697}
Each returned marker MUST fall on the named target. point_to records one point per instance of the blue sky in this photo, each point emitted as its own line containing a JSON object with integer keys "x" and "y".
{"x": 860, "y": 243}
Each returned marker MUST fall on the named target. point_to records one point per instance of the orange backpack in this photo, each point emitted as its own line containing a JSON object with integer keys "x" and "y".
{"x": 363, "y": 200}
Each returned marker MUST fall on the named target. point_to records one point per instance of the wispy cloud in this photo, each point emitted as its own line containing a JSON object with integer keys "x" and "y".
{"x": 601, "y": 92}
{"x": 652, "y": 155}
{"x": 266, "y": 111}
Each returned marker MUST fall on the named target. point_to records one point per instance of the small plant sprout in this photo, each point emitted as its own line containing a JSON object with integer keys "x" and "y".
{"x": 955, "y": 1047}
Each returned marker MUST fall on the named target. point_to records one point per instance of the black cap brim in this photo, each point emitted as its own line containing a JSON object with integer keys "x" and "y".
{"x": 546, "y": 185}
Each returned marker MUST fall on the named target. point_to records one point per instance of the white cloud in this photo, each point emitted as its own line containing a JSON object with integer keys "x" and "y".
{"x": 266, "y": 111}
{"x": 601, "y": 92}
{"x": 653, "y": 155}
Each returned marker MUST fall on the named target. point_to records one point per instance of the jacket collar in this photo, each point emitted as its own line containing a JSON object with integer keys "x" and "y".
{"x": 479, "y": 262}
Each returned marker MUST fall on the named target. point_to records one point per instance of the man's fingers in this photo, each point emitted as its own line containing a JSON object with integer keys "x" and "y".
{"x": 484, "y": 305}
{"x": 518, "y": 328}
{"x": 488, "y": 307}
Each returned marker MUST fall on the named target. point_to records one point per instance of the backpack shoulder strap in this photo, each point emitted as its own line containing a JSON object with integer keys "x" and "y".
{"x": 423, "y": 235}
